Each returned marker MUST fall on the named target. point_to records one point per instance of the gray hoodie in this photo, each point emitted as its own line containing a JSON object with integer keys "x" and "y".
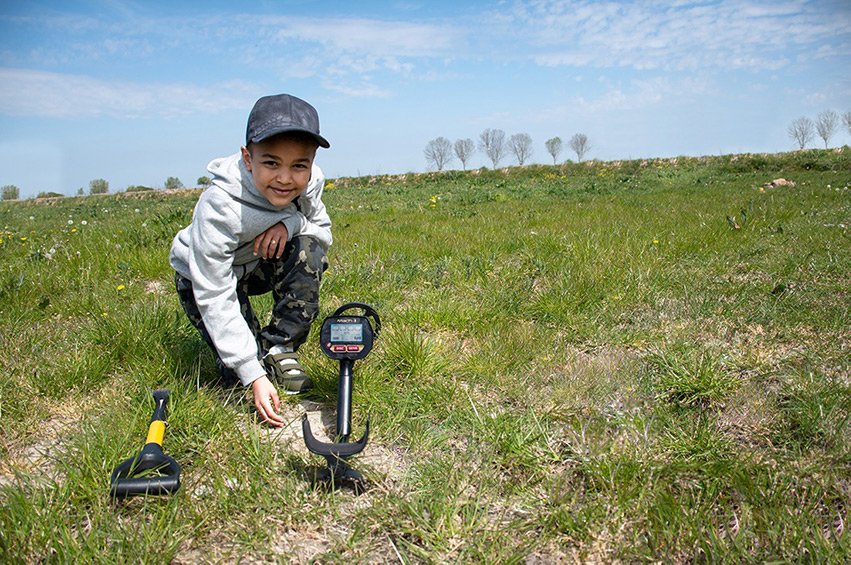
{"x": 217, "y": 249}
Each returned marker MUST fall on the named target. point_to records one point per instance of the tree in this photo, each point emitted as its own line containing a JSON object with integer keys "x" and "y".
{"x": 492, "y": 143}
{"x": 203, "y": 181}
{"x": 464, "y": 150}
{"x": 10, "y": 192}
{"x": 521, "y": 145}
{"x": 98, "y": 186}
{"x": 579, "y": 144}
{"x": 801, "y": 131}
{"x": 554, "y": 147}
{"x": 173, "y": 183}
{"x": 826, "y": 125}
{"x": 846, "y": 117}
{"x": 438, "y": 152}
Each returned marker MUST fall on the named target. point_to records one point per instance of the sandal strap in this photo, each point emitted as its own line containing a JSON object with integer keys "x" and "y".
{"x": 277, "y": 362}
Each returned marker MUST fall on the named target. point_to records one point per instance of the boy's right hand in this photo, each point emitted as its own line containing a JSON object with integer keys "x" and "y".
{"x": 271, "y": 242}
{"x": 267, "y": 401}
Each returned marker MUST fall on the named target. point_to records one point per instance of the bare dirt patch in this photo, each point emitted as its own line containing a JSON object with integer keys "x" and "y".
{"x": 36, "y": 458}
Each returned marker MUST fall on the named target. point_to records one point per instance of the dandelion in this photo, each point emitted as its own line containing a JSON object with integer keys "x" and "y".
{"x": 655, "y": 241}
{"x": 70, "y": 222}
{"x": 84, "y": 222}
{"x": 104, "y": 314}
{"x": 121, "y": 287}
{"x": 23, "y": 239}
{"x": 32, "y": 217}
{"x": 74, "y": 230}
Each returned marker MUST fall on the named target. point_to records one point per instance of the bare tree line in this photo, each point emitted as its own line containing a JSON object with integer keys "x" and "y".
{"x": 803, "y": 130}
{"x": 439, "y": 152}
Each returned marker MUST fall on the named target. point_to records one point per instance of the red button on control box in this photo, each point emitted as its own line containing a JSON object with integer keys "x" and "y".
{"x": 339, "y": 348}
{"x": 354, "y": 348}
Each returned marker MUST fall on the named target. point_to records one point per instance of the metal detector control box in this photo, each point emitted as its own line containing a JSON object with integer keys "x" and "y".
{"x": 346, "y": 337}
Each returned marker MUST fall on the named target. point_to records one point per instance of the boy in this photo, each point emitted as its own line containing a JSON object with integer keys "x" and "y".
{"x": 261, "y": 226}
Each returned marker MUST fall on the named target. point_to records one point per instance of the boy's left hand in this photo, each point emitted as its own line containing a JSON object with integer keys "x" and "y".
{"x": 271, "y": 242}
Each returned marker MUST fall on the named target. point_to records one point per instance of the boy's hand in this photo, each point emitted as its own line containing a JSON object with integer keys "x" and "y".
{"x": 271, "y": 242}
{"x": 267, "y": 401}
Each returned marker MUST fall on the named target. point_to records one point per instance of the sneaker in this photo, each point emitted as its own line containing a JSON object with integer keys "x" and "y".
{"x": 285, "y": 370}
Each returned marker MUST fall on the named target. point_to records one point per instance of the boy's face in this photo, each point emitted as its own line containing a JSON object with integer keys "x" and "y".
{"x": 280, "y": 167}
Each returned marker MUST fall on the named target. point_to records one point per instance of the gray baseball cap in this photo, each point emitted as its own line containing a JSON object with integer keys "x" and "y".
{"x": 281, "y": 113}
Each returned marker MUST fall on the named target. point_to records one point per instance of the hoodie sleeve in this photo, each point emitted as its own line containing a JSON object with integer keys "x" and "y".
{"x": 214, "y": 286}
{"x": 312, "y": 218}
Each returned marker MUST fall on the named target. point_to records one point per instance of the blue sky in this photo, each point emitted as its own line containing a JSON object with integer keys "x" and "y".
{"x": 137, "y": 91}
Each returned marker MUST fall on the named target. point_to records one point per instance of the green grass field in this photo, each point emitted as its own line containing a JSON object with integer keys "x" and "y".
{"x": 643, "y": 361}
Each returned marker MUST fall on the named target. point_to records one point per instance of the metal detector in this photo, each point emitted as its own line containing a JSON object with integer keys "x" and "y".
{"x": 343, "y": 338}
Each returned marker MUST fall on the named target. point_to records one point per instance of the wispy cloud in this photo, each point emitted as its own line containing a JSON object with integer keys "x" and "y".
{"x": 56, "y": 95}
{"x": 686, "y": 36}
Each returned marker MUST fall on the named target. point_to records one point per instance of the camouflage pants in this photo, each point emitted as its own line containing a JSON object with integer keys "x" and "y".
{"x": 293, "y": 280}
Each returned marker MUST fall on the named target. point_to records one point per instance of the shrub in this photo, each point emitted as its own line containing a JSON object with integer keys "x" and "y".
{"x": 10, "y": 192}
{"x": 98, "y": 186}
{"x": 172, "y": 183}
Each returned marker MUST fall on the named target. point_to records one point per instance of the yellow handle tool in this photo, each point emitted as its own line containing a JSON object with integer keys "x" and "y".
{"x": 150, "y": 471}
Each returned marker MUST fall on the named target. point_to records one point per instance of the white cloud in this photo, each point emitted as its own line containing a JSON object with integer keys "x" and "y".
{"x": 372, "y": 37}
{"x": 56, "y": 95}
{"x": 362, "y": 90}
{"x": 356, "y": 46}
{"x": 636, "y": 95}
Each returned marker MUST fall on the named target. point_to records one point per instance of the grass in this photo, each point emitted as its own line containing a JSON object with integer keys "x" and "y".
{"x": 639, "y": 361}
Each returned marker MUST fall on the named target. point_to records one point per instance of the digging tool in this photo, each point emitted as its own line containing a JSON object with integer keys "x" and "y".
{"x": 150, "y": 471}
{"x": 344, "y": 338}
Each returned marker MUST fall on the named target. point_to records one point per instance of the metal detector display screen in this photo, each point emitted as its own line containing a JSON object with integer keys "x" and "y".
{"x": 346, "y": 333}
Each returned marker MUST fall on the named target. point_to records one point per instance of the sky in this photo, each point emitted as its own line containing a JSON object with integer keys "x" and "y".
{"x": 135, "y": 92}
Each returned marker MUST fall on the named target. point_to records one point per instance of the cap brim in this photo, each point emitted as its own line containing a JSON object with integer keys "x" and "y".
{"x": 267, "y": 134}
